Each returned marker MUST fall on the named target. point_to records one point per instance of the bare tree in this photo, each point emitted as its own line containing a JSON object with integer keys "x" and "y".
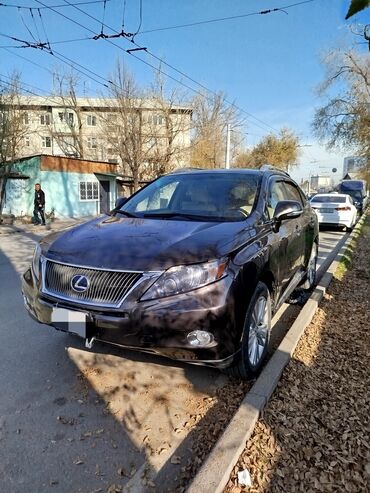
{"x": 67, "y": 129}
{"x": 13, "y": 129}
{"x": 212, "y": 114}
{"x": 122, "y": 124}
{"x": 167, "y": 126}
{"x": 344, "y": 119}
{"x": 146, "y": 130}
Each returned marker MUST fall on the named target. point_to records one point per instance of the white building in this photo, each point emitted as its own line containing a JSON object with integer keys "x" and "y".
{"x": 321, "y": 183}
{"x": 91, "y": 128}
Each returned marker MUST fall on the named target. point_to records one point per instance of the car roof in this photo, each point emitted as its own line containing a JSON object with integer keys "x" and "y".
{"x": 245, "y": 171}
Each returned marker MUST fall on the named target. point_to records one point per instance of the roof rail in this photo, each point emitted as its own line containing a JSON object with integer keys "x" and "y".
{"x": 273, "y": 168}
{"x": 179, "y": 170}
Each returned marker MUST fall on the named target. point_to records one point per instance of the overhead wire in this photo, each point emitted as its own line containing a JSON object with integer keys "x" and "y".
{"x": 140, "y": 19}
{"x": 43, "y": 27}
{"x": 158, "y": 58}
{"x": 36, "y": 28}
{"x": 222, "y": 19}
{"x": 27, "y": 7}
{"x": 25, "y": 25}
{"x": 123, "y": 14}
{"x": 172, "y": 67}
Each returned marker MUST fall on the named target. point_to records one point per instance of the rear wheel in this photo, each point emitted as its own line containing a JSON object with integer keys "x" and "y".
{"x": 311, "y": 269}
{"x": 256, "y": 332}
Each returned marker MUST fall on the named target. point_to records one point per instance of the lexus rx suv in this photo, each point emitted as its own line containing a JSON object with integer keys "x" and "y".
{"x": 192, "y": 267}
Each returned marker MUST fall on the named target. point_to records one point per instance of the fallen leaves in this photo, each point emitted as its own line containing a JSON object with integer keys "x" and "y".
{"x": 314, "y": 434}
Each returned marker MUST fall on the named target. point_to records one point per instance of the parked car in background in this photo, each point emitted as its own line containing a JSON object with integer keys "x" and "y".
{"x": 357, "y": 190}
{"x": 335, "y": 209}
{"x": 191, "y": 266}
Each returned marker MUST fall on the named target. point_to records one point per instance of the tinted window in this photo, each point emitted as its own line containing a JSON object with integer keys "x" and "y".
{"x": 227, "y": 197}
{"x": 276, "y": 194}
{"x": 292, "y": 192}
{"x": 328, "y": 198}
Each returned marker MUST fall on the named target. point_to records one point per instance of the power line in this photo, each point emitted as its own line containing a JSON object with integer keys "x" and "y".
{"x": 140, "y": 19}
{"x": 147, "y": 63}
{"x": 170, "y": 66}
{"x": 27, "y": 7}
{"x": 26, "y": 59}
{"x": 222, "y": 19}
{"x": 24, "y": 84}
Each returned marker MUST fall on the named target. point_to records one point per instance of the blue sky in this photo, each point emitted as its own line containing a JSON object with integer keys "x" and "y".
{"x": 268, "y": 64}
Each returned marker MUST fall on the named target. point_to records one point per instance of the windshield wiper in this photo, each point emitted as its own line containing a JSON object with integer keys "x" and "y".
{"x": 125, "y": 213}
{"x": 171, "y": 215}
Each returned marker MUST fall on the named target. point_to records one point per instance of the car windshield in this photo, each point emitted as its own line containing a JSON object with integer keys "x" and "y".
{"x": 197, "y": 197}
{"x": 337, "y": 199}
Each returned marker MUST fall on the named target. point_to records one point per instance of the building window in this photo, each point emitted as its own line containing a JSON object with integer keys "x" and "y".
{"x": 92, "y": 143}
{"x": 45, "y": 142}
{"x": 27, "y": 141}
{"x": 25, "y": 119}
{"x": 45, "y": 119}
{"x": 112, "y": 117}
{"x": 91, "y": 120}
{"x": 155, "y": 119}
{"x": 89, "y": 190}
{"x": 66, "y": 117}
{"x": 113, "y": 161}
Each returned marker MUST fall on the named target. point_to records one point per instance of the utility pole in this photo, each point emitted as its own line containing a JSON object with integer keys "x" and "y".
{"x": 227, "y": 157}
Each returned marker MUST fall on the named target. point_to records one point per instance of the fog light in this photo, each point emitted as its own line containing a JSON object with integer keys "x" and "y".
{"x": 200, "y": 338}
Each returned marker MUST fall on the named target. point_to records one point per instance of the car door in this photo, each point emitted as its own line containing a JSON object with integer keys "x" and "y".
{"x": 287, "y": 243}
{"x": 305, "y": 223}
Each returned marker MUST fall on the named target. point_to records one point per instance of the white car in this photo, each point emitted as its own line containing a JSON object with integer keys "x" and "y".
{"x": 335, "y": 208}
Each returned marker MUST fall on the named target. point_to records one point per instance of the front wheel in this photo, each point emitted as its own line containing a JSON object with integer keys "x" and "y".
{"x": 255, "y": 337}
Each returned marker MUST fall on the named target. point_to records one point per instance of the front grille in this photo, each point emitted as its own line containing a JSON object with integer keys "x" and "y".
{"x": 105, "y": 288}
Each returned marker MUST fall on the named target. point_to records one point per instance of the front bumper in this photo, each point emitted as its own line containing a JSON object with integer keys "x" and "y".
{"x": 157, "y": 326}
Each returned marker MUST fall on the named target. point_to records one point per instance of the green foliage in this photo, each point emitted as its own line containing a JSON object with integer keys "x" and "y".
{"x": 356, "y": 6}
{"x": 280, "y": 151}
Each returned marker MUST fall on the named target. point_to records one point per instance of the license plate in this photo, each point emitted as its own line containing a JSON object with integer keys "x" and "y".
{"x": 325, "y": 211}
{"x": 69, "y": 321}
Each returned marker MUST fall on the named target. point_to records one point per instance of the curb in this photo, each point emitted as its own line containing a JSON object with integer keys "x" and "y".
{"x": 215, "y": 472}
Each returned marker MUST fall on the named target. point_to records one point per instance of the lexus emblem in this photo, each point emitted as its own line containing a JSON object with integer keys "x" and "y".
{"x": 80, "y": 283}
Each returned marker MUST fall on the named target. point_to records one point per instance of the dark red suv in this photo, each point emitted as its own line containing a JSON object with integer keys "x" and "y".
{"x": 191, "y": 267}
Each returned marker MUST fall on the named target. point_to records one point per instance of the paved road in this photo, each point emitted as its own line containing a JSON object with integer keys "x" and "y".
{"x": 78, "y": 421}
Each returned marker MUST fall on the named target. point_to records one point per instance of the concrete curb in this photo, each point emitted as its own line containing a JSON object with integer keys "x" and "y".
{"x": 215, "y": 471}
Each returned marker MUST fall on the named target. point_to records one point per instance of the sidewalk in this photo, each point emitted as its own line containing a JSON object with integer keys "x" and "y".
{"x": 314, "y": 433}
{"x": 50, "y": 227}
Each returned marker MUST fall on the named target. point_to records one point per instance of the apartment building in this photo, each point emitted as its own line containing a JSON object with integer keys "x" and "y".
{"x": 94, "y": 128}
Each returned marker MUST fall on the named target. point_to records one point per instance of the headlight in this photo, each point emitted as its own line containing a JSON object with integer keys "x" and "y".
{"x": 36, "y": 261}
{"x": 185, "y": 278}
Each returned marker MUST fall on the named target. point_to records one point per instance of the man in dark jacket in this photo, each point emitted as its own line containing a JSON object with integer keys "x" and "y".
{"x": 39, "y": 205}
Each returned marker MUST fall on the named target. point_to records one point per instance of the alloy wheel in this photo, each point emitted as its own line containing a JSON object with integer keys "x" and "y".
{"x": 258, "y": 331}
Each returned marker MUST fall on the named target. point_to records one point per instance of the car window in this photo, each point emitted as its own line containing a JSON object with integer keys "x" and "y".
{"x": 336, "y": 199}
{"x": 159, "y": 199}
{"x": 275, "y": 195}
{"x": 219, "y": 196}
{"x": 292, "y": 192}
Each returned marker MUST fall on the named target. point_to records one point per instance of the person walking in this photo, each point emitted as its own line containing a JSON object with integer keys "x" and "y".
{"x": 39, "y": 205}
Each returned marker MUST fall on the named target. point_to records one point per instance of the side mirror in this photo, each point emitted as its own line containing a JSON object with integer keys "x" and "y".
{"x": 120, "y": 201}
{"x": 286, "y": 209}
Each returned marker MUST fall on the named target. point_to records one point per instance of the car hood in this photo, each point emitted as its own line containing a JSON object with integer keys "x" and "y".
{"x": 144, "y": 244}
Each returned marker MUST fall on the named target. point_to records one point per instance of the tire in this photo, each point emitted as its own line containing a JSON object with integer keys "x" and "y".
{"x": 310, "y": 280}
{"x": 255, "y": 337}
